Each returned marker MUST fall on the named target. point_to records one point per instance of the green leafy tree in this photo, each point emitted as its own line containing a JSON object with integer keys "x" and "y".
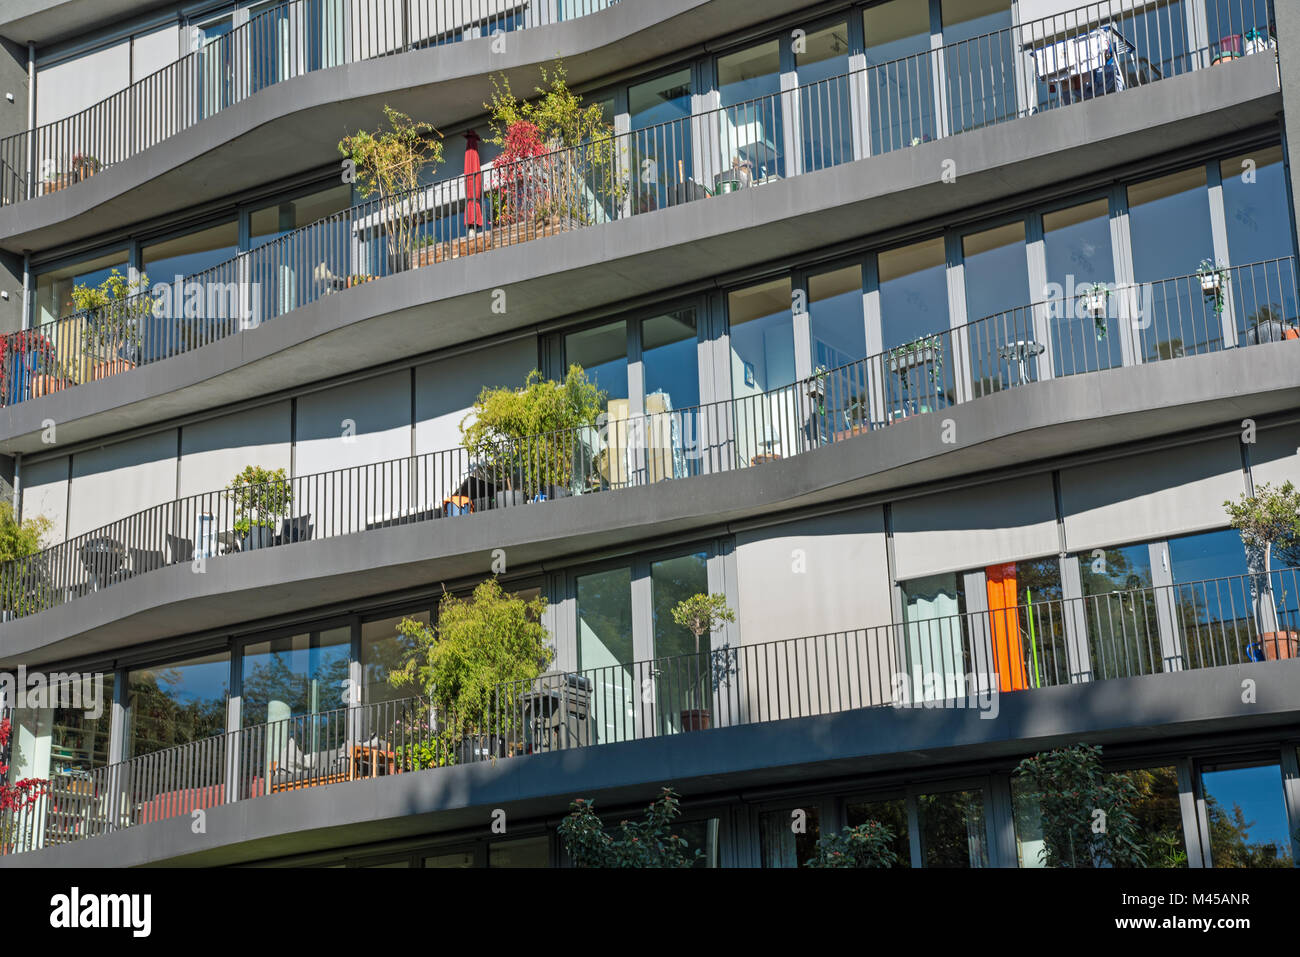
{"x": 1270, "y": 518}
{"x": 261, "y": 496}
{"x": 1231, "y": 844}
{"x": 114, "y": 311}
{"x": 21, "y": 584}
{"x": 480, "y": 658}
{"x": 870, "y": 844}
{"x": 648, "y": 843}
{"x": 703, "y": 615}
{"x": 388, "y": 163}
{"x": 1088, "y": 816}
{"x": 530, "y": 436}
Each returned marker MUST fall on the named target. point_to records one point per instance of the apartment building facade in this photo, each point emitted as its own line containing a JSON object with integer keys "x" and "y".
{"x": 934, "y": 335}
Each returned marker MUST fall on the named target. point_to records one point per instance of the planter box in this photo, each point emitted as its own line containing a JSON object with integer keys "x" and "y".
{"x": 696, "y": 719}
{"x": 901, "y": 363}
{"x": 1280, "y": 645}
{"x": 45, "y": 384}
{"x": 107, "y": 367}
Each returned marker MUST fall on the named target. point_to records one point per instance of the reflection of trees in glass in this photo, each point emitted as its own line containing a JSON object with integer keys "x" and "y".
{"x": 1123, "y": 630}
{"x": 163, "y": 714}
{"x": 271, "y": 678}
{"x": 1158, "y": 816}
{"x": 1230, "y": 843}
{"x": 952, "y": 829}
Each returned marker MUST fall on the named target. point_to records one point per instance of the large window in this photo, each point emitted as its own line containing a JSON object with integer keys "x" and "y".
{"x": 762, "y": 360}
{"x": 1003, "y": 342}
{"x": 952, "y": 829}
{"x": 899, "y": 85}
{"x": 788, "y": 837}
{"x": 824, "y": 107}
{"x": 839, "y": 342}
{"x": 605, "y": 650}
{"x": 892, "y": 814}
{"x": 1076, "y": 243}
{"x": 659, "y": 112}
{"x": 384, "y": 650}
{"x": 937, "y": 656}
{"x": 1027, "y": 623}
{"x": 1169, "y": 223}
{"x": 602, "y": 352}
{"x": 978, "y": 62}
{"x": 914, "y": 324}
{"x": 295, "y": 675}
{"x": 1123, "y": 624}
{"x": 1245, "y": 813}
{"x": 684, "y": 680}
{"x": 1256, "y": 209}
{"x": 670, "y": 363}
{"x": 54, "y": 287}
{"x": 177, "y": 703}
{"x": 752, "y": 125}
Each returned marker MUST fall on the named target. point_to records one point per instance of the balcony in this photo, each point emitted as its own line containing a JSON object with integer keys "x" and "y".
{"x": 973, "y": 666}
{"x": 852, "y": 117}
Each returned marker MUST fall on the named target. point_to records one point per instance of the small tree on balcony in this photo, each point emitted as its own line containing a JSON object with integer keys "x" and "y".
{"x": 387, "y": 163}
{"x": 114, "y": 311}
{"x": 20, "y": 581}
{"x": 1269, "y": 518}
{"x": 260, "y": 496}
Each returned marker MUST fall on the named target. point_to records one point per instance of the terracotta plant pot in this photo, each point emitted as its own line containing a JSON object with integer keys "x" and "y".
{"x": 44, "y": 385}
{"x": 107, "y": 367}
{"x": 1279, "y": 645}
{"x": 696, "y": 719}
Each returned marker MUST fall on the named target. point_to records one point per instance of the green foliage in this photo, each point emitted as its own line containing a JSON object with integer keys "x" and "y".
{"x": 702, "y": 615}
{"x": 115, "y": 309}
{"x": 870, "y": 844}
{"x": 20, "y": 540}
{"x": 261, "y": 496}
{"x": 529, "y": 436}
{"x": 649, "y": 843}
{"x": 485, "y": 651}
{"x": 1270, "y": 517}
{"x": 388, "y": 163}
{"x": 579, "y": 170}
{"x": 1088, "y": 816}
{"x": 1231, "y": 844}
{"x": 1219, "y": 287}
{"x": 438, "y": 751}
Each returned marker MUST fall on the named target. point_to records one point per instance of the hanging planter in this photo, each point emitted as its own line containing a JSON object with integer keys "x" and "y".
{"x": 1214, "y": 282}
{"x": 817, "y": 388}
{"x": 1096, "y": 303}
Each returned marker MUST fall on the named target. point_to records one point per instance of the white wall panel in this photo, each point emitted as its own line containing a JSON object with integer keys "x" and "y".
{"x": 118, "y": 480}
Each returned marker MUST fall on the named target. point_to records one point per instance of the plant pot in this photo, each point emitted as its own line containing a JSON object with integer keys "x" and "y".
{"x": 44, "y": 385}
{"x": 910, "y": 360}
{"x": 696, "y": 719}
{"x": 259, "y": 536}
{"x": 1280, "y": 645}
{"x": 1211, "y": 283}
{"x": 107, "y": 367}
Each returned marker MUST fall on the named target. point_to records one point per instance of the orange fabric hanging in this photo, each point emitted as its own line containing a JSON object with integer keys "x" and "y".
{"x": 1008, "y": 650}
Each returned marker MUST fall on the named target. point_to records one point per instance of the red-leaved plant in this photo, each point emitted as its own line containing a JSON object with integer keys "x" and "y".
{"x": 520, "y": 190}
{"x": 16, "y": 796}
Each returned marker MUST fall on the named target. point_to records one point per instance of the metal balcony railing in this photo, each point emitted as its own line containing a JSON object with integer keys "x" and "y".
{"x": 1168, "y": 319}
{"x": 289, "y": 40}
{"x": 986, "y": 80}
{"x": 966, "y": 660}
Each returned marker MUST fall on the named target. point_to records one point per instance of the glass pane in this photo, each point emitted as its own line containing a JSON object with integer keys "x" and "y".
{"x": 451, "y": 859}
{"x": 1246, "y": 814}
{"x": 899, "y": 87}
{"x": 602, "y": 352}
{"x": 661, "y": 142}
{"x": 1029, "y": 643}
{"x": 296, "y": 675}
{"x": 191, "y": 253}
{"x": 1259, "y": 229}
{"x": 605, "y": 651}
{"x": 913, "y": 308}
{"x": 762, "y": 360}
{"x": 978, "y": 62}
{"x": 67, "y": 737}
{"x": 1003, "y": 343}
{"x": 1169, "y": 221}
{"x": 780, "y": 845}
{"x": 824, "y": 108}
{"x": 525, "y": 852}
{"x": 1159, "y": 816}
{"x": 702, "y": 836}
{"x": 892, "y": 814}
{"x": 669, "y": 360}
{"x": 682, "y": 690}
{"x": 383, "y": 651}
{"x": 936, "y": 652}
{"x": 1123, "y": 628}
{"x": 952, "y": 829}
{"x": 1076, "y": 243}
{"x": 839, "y": 343}
{"x": 1027, "y": 820}
{"x": 751, "y": 135}
{"x": 177, "y": 703}
{"x": 54, "y": 287}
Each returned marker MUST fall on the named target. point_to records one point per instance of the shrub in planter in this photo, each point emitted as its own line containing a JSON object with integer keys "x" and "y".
{"x": 701, "y": 615}
{"x": 528, "y": 438}
{"x": 114, "y": 312}
{"x": 20, "y": 586}
{"x": 261, "y": 498}
{"x": 1270, "y": 518}
{"x": 475, "y": 662}
{"x": 649, "y": 843}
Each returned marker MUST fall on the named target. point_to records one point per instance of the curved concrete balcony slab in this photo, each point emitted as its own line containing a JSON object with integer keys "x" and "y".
{"x": 450, "y": 303}
{"x": 1031, "y": 423}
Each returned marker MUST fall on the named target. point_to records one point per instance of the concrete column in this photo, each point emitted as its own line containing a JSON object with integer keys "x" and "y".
{"x": 1287, "y": 19}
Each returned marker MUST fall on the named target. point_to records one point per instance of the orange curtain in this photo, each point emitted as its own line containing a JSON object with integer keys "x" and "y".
{"x": 1008, "y": 651}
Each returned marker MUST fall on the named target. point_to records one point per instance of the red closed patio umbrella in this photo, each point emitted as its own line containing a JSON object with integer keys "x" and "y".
{"x": 473, "y": 185}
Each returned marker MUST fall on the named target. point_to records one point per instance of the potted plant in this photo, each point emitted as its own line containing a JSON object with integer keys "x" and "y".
{"x": 388, "y": 165}
{"x": 111, "y": 327}
{"x": 85, "y": 166}
{"x": 559, "y": 161}
{"x": 21, "y": 590}
{"x": 701, "y": 615}
{"x": 528, "y": 438}
{"x": 476, "y": 664}
{"x": 817, "y": 388}
{"x": 358, "y": 279}
{"x": 1096, "y": 303}
{"x": 261, "y": 497}
{"x": 28, "y": 364}
{"x": 1214, "y": 282}
{"x": 1270, "y": 517}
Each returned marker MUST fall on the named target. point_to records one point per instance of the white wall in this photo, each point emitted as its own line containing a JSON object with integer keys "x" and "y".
{"x": 213, "y": 451}
{"x": 70, "y": 86}
{"x": 1170, "y": 492}
{"x": 154, "y": 50}
{"x": 974, "y": 527}
{"x": 119, "y": 480}
{"x": 1275, "y": 457}
{"x": 45, "y": 492}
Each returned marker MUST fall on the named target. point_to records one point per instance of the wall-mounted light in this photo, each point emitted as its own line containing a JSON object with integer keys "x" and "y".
{"x": 9, "y": 97}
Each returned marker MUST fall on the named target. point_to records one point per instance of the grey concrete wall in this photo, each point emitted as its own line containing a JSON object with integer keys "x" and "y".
{"x": 13, "y": 119}
{"x": 1287, "y": 18}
